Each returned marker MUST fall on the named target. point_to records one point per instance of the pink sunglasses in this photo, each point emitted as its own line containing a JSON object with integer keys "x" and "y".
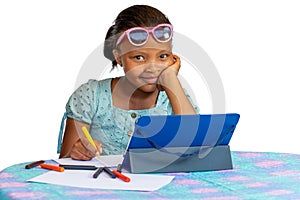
{"x": 138, "y": 36}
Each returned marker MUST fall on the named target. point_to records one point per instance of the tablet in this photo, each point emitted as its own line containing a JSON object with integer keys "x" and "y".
{"x": 183, "y": 130}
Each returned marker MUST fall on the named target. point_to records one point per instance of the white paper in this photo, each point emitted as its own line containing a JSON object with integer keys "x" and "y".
{"x": 84, "y": 179}
{"x": 104, "y": 160}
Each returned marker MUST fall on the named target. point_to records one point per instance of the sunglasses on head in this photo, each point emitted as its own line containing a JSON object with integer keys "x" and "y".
{"x": 138, "y": 36}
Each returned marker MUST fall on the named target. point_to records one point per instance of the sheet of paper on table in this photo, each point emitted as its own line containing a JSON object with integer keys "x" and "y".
{"x": 84, "y": 179}
{"x": 108, "y": 161}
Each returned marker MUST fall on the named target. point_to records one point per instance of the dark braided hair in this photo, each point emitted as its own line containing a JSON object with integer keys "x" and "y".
{"x": 134, "y": 16}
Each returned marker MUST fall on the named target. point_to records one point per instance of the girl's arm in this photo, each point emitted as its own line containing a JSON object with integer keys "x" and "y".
{"x": 72, "y": 145}
{"x": 169, "y": 82}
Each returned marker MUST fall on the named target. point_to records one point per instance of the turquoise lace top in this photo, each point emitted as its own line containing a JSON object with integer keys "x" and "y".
{"x": 92, "y": 103}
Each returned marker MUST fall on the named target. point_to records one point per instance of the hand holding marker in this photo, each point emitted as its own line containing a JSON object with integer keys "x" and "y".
{"x": 90, "y": 139}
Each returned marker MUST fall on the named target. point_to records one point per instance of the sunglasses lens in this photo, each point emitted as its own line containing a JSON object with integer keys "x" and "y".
{"x": 163, "y": 33}
{"x": 138, "y": 37}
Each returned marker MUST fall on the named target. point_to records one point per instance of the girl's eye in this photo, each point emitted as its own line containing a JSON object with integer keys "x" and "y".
{"x": 163, "y": 56}
{"x": 139, "y": 57}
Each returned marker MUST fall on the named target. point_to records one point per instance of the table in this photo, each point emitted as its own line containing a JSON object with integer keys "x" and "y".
{"x": 256, "y": 175}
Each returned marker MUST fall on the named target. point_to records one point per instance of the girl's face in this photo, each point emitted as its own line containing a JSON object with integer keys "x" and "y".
{"x": 143, "y": 65}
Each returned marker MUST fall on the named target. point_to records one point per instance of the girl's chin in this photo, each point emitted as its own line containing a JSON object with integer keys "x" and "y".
{"x": 148, "y": 88}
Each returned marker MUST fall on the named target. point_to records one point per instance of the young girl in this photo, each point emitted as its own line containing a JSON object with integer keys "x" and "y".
{"x": 140, "y": 41}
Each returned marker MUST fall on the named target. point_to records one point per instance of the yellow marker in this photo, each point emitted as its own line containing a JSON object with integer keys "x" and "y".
{"x": 90, "y": 139}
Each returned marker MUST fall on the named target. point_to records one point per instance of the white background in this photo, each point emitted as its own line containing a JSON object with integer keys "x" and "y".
{"x": 254, "y": 45}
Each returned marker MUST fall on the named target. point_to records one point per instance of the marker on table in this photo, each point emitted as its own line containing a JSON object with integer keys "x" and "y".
{"x": 121, "y": 176}
{"x": 90, "y": 139}
{"x": 107, "y": 170}
{"x": 96, "y": 174}
{"x": 34, "y": 164}
{"x": 52, "y": 167}
{"x": 119, "y": 168}
{"x": 79, "y": 167}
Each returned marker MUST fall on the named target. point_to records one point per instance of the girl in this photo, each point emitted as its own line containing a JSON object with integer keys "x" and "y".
{"x": 140, "y": 41}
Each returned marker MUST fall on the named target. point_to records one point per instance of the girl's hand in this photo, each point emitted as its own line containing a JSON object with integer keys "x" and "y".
{"x": 169, "y": 73}
{"x": 83, "y": 150}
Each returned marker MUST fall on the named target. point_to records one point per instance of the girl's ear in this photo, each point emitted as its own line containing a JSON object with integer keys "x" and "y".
{"x": 117, "y": 56}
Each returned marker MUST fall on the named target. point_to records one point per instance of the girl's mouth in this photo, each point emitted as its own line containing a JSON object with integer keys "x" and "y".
{"x": 149, "y": 80}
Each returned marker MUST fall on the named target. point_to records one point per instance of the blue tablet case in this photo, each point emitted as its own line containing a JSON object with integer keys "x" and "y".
{"x": 181, "y": 143}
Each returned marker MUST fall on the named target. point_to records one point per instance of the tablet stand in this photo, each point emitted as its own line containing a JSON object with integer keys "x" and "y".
{"x": 203, "y": 158}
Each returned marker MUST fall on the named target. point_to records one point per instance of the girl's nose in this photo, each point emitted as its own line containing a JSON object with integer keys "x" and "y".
{"x": 153, "y": 66}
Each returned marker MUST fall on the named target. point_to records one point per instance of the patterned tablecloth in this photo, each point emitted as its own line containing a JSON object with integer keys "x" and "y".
{"x": 255, "y": 176}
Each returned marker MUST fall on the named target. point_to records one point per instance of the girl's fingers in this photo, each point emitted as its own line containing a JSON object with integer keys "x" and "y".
{"x": 88, "y": 146}
{"x": 77, "y": 155}
{"x": 177, "y": 62}
{"x": 98, "y": 145}
{"x": 80, "y": 152}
